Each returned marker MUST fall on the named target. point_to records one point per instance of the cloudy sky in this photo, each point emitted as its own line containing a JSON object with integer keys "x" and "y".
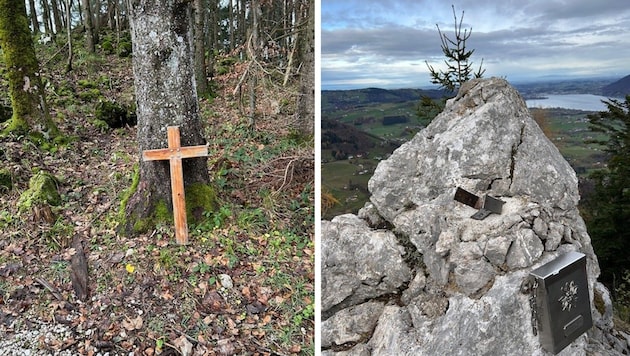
{"x": 381, "y": 43}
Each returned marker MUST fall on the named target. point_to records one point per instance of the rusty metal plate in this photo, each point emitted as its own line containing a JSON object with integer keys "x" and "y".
{"x": 465, "y": 197}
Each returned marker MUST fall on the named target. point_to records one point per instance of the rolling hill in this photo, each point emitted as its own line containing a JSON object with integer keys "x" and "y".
{"x": 618, "y": 89}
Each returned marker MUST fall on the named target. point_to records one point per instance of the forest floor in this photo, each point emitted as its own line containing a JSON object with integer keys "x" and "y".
{"x": 243, "y": 285}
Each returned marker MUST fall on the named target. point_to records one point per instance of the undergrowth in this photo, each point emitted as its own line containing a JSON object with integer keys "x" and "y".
{"x": 245, "y": 282}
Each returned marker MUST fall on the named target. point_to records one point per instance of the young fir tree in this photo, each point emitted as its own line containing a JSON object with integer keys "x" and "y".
{"x": 459, "y": 67}
{"x": 607, "y": 211}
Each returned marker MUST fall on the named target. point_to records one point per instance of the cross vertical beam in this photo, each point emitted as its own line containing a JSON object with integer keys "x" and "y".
{"x": 174, "y": 154}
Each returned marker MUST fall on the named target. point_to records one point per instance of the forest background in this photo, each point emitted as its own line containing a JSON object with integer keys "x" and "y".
{"x": 72, "y": 278}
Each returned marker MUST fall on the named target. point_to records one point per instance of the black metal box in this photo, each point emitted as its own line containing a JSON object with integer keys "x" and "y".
{"x": 563, "y": 308}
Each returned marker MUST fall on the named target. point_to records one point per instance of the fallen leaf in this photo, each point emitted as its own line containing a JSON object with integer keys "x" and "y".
{"x": 117, "y": 257}
{"x": 132, "y": 324}
{"x": 246, "y": 292}
{"x": 166, "y": 295}
{"x": 295, "y": 349}
{"x": 226, "y": 347}
{"x": 213, "y": 302}
{"x": 184, "y": 346}
{"x": 266, "y": 319}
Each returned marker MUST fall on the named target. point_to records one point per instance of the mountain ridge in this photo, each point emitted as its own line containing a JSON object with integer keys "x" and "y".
{"x": 620, "y": 88}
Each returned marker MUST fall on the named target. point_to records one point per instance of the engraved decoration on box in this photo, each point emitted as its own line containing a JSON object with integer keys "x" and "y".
{"x": 569, "y": 299}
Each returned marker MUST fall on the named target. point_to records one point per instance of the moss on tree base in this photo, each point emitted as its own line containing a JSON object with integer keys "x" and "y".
{"x": 39, "y": 197}
{"x": 200, "y": 198}
{"x": 135, "y": 219}
{"x": 42, "y": 190}
{"x": 161, "y": 215}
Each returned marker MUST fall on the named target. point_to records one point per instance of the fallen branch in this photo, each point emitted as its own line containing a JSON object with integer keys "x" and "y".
{"x": 55, "y": 293}
{"x": 55, "y": 54}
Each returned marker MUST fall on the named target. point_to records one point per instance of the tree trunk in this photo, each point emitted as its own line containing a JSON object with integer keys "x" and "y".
{"x": 306, "y": 102}
{"x": 232, "y": 28}
{"x": 111, "y": 12}
{"x": 46, "y": 17}
{"x": 253, "y": 52}
{"x": 242, "y": 20}
{"x": 211, "y": 36}
{"x": 294, "y": 42}
{"x": 34, "y": 21}
{"x": 96, "y": 18}
{"x": 200, "y": 50}
{"x": 30, "y": 113}
{"x": 69, "y": 32}
{"x": 80, "y": 11}
{"x": 161, "y": 34}
{"x": 56, "y": 16}
{"x": 89, "y": 26}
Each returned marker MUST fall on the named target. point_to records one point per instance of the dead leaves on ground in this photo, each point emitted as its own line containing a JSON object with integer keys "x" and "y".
{"x": 144, "y": 294}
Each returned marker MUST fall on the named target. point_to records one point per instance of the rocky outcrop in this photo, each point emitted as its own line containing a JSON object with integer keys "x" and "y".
{"x": 413, "y": 274}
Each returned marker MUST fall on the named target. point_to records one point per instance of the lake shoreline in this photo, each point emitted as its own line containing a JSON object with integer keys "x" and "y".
{"x": 584, "y": 102}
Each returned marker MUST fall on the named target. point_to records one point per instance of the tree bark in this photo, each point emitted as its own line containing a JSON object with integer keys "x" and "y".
{"x": 69, "y": 33}
{"x": 166, "y": 95}
{"x": 232, "y": 27}
{"x": 306, "y": 101}
{"x": 253, "y": 53}
{"x": 200, "y": 49}
{"x": 89, "y": 26}
{"x": 96, "y": 17}
{"x": 46, "y": 17}
{"x": 294, "y": 41}
{"x": 56, "y": 16}
{"x": 211, "y": 36}
{"x": 34, "y": 21}
{"x": 30, "y": 112}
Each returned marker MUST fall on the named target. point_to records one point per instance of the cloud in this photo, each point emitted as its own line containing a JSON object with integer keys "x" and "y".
{"x": 385, "y": 43}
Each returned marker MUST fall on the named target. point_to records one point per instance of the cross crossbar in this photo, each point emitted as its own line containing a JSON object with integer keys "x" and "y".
{"x": 174, "y": 154}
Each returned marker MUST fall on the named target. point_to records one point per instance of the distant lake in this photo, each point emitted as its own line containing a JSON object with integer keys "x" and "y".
{"x": 587, "y": 102}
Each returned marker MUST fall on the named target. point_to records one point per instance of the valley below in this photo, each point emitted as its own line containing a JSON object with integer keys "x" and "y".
{"x": 362, "y": 127}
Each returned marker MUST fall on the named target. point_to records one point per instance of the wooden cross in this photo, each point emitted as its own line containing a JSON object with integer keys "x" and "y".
{"x": 174, "y": 153}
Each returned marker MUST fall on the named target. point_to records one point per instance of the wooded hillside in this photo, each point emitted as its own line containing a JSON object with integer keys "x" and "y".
{"x": 72, "y": 280}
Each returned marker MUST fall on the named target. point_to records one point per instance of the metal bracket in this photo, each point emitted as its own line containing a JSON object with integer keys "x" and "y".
{"x": 529, "y": 287}
{"x": 486, "y": 206}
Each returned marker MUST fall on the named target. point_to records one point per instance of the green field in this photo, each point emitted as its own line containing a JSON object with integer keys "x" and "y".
{"x": 571, "y": 134}
{"x": 347, "y": 181}
{"x": 370, "y": 119}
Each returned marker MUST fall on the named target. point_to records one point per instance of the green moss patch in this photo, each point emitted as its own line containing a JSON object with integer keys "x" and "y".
{"x": 6, "y": 179}
{"x": 126, "y": 195}
{"x": 114, "y": 114}
{"x": 42, "y": 190}
{"x": 598, "y": 300}
{"x": 161, "y": 215}
{"x": 200, "y": 198}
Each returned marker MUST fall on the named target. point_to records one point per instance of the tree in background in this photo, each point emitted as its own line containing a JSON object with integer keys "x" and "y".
{"x": 306, "y": 101}
{"x": 607, "y": 210}
{"x": 201, "y": 73}
{"x": 30, "y": 112}
{"x": 459, "y": 66}
{"x": 90, "y": 37}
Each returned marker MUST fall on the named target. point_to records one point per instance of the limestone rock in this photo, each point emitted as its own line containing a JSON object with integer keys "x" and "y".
{"x": 359, "y": 263}
{"x": 351, "y": 324}
{"x": 451, "y": 285}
